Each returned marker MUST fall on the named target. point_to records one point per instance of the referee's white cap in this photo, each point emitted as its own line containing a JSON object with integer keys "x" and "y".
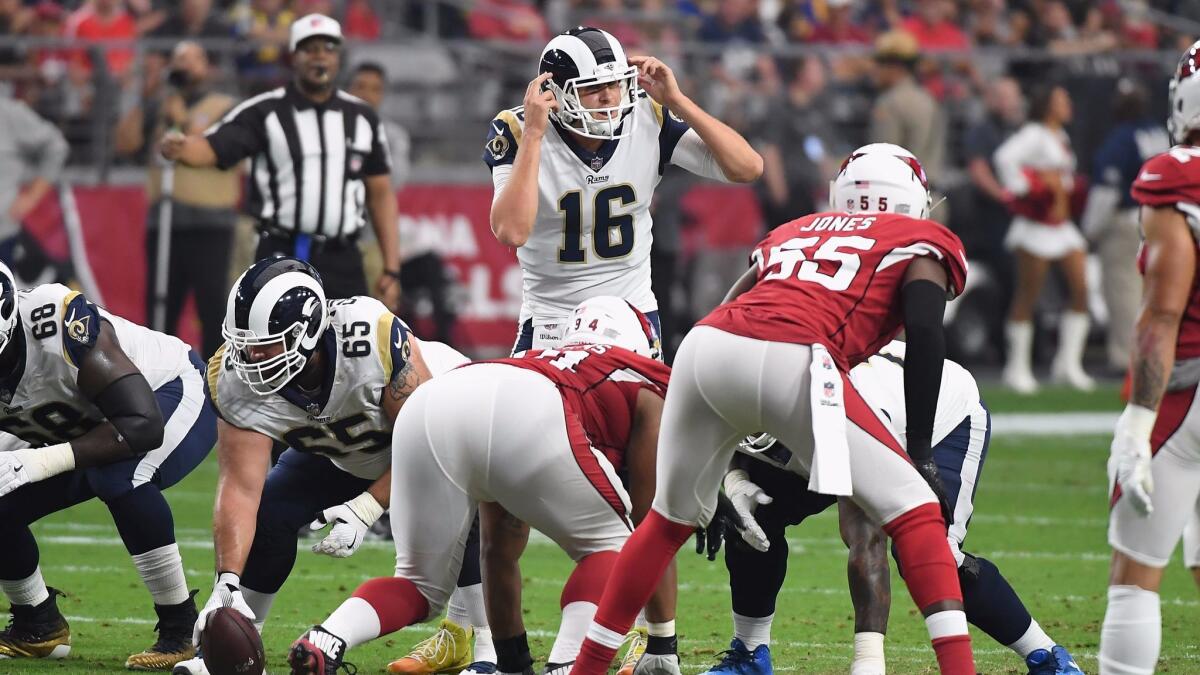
{"x": 314, "y": 25}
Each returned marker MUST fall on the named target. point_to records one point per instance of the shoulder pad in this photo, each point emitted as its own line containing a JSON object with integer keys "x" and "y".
{"x": 1169, "y": 178}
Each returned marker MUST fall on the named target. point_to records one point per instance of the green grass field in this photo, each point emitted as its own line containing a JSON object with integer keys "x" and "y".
{"x": 1040, "y": 517}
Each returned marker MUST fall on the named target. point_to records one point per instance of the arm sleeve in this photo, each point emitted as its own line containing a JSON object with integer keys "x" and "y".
{"x": 240, "y": 134}
{"x": 379, "y": 161}
{"x": 80, "y": 328}
{"x": 924, "y": 305}
{"x": 504, "y": 134}
{"x": 40, "y": 140}
{"x": 692, "y": 154}
{"x": 130, "y": 406}
{"x": 399, "y": 351}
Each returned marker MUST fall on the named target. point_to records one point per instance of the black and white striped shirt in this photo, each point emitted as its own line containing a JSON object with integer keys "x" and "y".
{"x": 308, "y": 159}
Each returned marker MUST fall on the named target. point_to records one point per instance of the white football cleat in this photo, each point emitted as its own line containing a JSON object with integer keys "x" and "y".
{"x": 193, "y": 666}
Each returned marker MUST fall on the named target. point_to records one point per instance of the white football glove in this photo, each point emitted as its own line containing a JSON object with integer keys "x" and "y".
{"x": 351, "y": 521}
{"x": 30, "y": 465}
{"x": 12, "y": 473}
{"x": 746, "y": 497}
{"x": 227, "y": 592}
{"x": 1129, "y": 458}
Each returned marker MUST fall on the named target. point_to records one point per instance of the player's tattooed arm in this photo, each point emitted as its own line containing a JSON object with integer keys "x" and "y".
{"x": 1170, "y": 267}
{"x": 405, "y": 380}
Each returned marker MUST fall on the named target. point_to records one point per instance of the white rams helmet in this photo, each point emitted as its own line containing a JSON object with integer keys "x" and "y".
{"x": 609, "y": 320}
{"x": 1184, "y": 96}
{"x": 8, "y": 305}
{"x": 585, "y": 57}
{"x": 881, "y": 178}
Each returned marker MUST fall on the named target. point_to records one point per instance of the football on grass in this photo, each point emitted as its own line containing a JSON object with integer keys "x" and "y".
{"x": 231, "y": 645}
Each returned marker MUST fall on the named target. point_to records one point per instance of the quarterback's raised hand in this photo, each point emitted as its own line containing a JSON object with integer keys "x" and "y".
{"x": 227, "y": 592}
{"x": 657, "y": 79}
{"x": 350, "y": 521}
{"x": 1129, "y": 458}
{"x": 538, "y": 104}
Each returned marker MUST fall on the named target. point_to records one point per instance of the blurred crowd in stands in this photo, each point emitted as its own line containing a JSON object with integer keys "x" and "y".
{"x": 805, "y": 80}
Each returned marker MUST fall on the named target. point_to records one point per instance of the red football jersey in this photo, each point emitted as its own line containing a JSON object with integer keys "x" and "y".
{"x": 1173, "y": 179}
{"x": 599, "y": 385}
{"x": 834, "y": 279}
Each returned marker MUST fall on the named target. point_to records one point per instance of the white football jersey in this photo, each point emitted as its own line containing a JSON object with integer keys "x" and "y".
{"x": 366, "y": 344}
{"x": 880, "y": 380}
{"x": 59, "y": 326}
{"x": 592, "y": 233}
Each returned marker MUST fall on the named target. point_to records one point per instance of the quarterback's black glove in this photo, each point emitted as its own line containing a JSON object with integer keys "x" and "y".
{"x": 929, "y": 471}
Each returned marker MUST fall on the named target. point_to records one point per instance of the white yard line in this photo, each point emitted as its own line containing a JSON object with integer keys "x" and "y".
{"x": 1054, "y": 424}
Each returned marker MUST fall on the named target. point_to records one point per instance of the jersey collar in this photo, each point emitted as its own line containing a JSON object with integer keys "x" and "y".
{"x": 592, "y": 160}
{"x": 313, "y": 405}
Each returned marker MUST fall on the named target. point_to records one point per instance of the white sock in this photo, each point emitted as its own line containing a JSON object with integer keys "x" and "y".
{"x": 1020, "y": 345}
{"x": 752, "y": 630}
{"x": 28, "y": 591}
{"x": 1034, "y": 639}
{"x": 260, "y": 604}
{"x": 161, "y": 569}
{"x": 946, "y": 623}
{"x": 665, "y": 629}
{"x": 456, "y": 608}
{"x": 467, "y": 608}
{"x": 1132, "y": 632}
{"x": 355, "y": 621}
{"x": 576, "y": 617}
{"x": 868, "y": 654}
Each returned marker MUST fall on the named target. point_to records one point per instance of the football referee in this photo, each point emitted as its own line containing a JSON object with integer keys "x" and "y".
{"x": 318, "y": 157}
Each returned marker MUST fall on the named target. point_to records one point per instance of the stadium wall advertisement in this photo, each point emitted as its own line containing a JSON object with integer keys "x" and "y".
{"x": 450, "y": 219}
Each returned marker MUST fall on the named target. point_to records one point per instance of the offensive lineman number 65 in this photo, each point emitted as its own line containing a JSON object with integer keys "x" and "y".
{"x": 791, "y": 254}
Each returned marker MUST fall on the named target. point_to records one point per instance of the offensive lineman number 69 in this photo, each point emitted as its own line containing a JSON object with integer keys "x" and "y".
{"x": 791, "y": 254}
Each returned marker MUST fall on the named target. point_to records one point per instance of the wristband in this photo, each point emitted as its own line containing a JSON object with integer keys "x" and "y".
{"x": 1137, "y": 421}
{"x": 395, "y": 274}
{"x": 734, "y": 480}
{"x": 42, "y": 463}
{"x": 366, "y": 508}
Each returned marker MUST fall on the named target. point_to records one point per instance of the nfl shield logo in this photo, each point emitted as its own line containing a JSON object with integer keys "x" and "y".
{"x": 828, "y": 390}
{"x": 355, "y": 163}
{"x": 597, "y": 163}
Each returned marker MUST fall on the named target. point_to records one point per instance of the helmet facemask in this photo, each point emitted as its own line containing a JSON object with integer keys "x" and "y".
{"x": 602, "y": 123}
{"x": 296, "y": 343}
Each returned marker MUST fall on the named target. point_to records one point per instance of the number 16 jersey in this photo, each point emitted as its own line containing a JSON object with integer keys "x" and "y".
{"x": 592, "y": 232}
{"x": 834, "y": 279}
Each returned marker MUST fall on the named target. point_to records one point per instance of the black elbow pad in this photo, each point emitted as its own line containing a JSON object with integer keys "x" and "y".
{"x": 130, "y": 406}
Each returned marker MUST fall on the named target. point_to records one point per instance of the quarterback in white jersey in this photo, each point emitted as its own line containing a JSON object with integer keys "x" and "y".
{"x": 94, "y": 407}
{"x": 575, "y": 167}
{"x": 327, "y": 379}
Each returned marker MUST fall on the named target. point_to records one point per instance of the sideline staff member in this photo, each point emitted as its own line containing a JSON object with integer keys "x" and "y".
{"x": 319, "y": 156}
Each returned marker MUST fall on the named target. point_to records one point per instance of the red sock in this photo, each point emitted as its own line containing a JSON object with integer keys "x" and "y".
{"x": 643, "y": 559}
{"x": 954, "y": 655}
{"x": 396, "y": 601}
{"x": 932, "y": 577}
{"x": 586, "y": 583}
{"x": 924, "y": 555}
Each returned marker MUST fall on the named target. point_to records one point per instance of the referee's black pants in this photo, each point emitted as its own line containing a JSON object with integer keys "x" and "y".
{"x": 339, "y": 262}
{"x": 198, "y": 265}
